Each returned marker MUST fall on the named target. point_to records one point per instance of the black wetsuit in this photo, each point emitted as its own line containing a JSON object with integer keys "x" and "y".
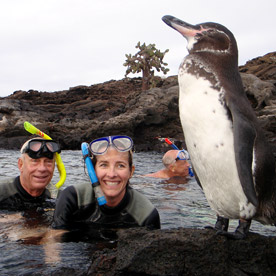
{"x": 77, "y": 206}
{"x": 13, "y": 197}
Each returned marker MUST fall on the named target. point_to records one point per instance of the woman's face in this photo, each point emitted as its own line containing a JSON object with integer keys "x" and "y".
{"x": 113, "y": 172}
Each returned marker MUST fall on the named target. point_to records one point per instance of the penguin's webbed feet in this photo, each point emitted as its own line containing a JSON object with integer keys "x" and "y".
{"x": 240, "y": 232}
{"x": 221, "y": 224}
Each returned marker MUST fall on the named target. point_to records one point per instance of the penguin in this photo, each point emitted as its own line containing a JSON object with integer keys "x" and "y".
{"x": 231, "y": 158}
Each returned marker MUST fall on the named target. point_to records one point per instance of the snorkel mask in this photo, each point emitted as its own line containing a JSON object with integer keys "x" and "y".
{"x": 182, "y": 155}
{"x": 121, "y": 143}
{"x": 37, "y": 148}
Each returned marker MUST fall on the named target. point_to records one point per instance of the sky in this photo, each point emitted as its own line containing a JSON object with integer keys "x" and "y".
{"x": 52, "y": 45}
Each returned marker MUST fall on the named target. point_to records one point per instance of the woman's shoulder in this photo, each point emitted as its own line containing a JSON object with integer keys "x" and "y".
{"x": 137, "y": 196}
{"x": 139, "y": 206}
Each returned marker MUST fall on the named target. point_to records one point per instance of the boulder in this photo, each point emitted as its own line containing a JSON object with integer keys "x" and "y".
{"x": 185, "y": 252}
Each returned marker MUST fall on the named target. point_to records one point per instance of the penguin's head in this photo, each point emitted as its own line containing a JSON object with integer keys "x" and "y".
{"x": 204, "y": 37}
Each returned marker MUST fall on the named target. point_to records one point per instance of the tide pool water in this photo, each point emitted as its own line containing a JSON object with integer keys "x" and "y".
{"x": 25, "y": 246}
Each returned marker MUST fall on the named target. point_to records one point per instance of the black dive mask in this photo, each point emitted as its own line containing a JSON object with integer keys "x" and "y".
{"x": 37, "y": 148}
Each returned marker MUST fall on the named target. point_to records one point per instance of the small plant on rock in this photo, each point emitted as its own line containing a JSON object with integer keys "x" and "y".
{"x": 146, "y": 60}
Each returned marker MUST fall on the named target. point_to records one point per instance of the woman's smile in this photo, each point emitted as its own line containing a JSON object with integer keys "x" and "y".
{"x": 109, "y": 183}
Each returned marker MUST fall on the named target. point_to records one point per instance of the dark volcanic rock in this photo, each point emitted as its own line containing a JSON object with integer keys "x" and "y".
{"x": 262, "y": 67}
{"x": 120, "y": 107}
{"x": 185, "y": 252}
{"x": 85, "y": 113}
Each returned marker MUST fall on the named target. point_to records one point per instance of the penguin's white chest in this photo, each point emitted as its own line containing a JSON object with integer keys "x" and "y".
{"x": 210, "y": 142}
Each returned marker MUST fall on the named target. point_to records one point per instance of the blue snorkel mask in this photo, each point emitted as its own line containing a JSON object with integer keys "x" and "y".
{"x": 182, "y": 155}
{"x": 121, "y": 143}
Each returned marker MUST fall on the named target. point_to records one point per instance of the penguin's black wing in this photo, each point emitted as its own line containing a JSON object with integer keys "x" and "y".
{"x": 244, "y": 138}
{"x": 197, "y": 179}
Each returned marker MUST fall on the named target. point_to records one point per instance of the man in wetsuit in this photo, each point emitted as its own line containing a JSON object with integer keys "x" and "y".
{"x": 125, "y": 207}
{"x": 28, "y": 190}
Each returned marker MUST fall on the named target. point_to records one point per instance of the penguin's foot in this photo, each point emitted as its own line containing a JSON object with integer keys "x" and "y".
{"x": 240, "y": 232}
{"x": 221, "y": 224}
{"x": 232, "y": 235}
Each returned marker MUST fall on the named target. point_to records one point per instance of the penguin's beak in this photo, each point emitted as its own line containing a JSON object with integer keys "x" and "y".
{"x": 186, "y": 29}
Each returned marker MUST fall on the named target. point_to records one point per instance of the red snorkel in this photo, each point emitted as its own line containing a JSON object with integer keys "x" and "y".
{"x": 169, "y": 142}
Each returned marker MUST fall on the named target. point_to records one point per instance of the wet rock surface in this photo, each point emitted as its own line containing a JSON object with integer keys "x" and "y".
{"x": 180, "y": 251}
{"x": 184, "y": 252}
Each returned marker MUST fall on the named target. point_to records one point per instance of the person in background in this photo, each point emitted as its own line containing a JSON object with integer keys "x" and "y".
{"x": 113, "y": 162}
{"x": 36, "y": 165}
{"x": 176, "y": 167}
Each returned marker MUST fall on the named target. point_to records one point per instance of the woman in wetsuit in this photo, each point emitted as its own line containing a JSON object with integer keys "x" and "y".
{"x": 125, "y": 207}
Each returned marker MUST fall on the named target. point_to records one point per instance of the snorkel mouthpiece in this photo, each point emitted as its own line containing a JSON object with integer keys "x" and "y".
{"x": 92, "y": 175}
{"x": 191, "y": 171}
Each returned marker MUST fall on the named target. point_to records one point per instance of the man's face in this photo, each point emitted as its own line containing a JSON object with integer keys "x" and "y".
{"x": 182, "y": 167}
{"x": 35, "y": 174}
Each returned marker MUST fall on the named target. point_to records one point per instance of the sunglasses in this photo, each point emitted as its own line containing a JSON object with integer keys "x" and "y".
{"x": 119, "y": 142}
{"x": 37, "y": 148}
{"x": 182, "y": 155}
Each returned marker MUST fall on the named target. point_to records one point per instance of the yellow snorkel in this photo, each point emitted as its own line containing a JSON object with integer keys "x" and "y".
{"x": 61, "y": 169}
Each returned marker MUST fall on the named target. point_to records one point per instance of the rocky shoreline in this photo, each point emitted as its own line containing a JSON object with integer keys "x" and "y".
{"x": 83, "y": 113}
{"x": 86, "y": 112}
{"x": 180, "y": 251}
{"x": 185, "y": 252}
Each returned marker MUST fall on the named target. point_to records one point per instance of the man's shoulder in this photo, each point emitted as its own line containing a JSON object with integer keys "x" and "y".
{"x": 159, "y": 174}
{"x": 7, "y": 188}
{"x": 7, "y": 180}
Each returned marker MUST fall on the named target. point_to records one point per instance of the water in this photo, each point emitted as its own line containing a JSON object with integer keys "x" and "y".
{"x": 27, "y": 249}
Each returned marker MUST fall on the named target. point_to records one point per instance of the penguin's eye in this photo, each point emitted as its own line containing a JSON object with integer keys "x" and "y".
{"x": 210, "y": 32}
